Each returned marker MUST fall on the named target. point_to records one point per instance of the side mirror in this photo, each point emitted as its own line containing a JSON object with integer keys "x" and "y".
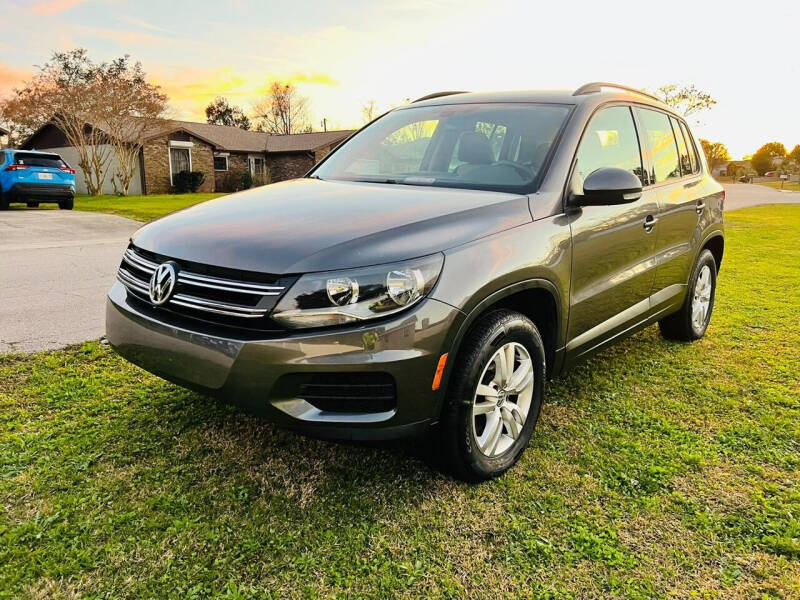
{"x": 608, "y": 185}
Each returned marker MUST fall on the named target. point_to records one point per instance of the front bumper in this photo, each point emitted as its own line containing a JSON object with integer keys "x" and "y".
{"x": 261, "y": 374}
{"x": 41, "y": 192}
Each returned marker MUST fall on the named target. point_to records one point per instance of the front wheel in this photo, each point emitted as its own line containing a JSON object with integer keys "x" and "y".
{"x": 3, "y": 202}
{"x": 66, "y": 204}
{"x": 691, "y": 321}
{"x": 32, "y": 204}
{"x": 494, "y": 397}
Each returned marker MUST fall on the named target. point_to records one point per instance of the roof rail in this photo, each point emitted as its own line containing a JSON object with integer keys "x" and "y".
{"x": 437, "y": 95}
{"x": 597, "y": 86}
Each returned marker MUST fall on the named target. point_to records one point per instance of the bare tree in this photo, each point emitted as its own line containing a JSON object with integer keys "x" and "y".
{"x": 102, "y": 109}
{"x": 369, "y": 111}
{"x": 686, "y": 100}
{"x": 283, "y": 110}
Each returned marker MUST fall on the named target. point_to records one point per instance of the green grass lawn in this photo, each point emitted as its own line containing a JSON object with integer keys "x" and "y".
{"x": 141, "y": 208}
{"x": 658, "y": 470}
{"x": 793, "y": 186}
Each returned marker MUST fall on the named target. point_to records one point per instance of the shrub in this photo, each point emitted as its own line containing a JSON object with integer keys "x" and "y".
{"x": 188, "y": 181}
{"x": 247, "y": 180}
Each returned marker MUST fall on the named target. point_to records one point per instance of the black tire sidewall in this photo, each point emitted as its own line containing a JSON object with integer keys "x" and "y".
{"x": 494, "y": 331}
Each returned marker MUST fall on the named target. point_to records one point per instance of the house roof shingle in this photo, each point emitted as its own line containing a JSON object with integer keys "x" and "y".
{"x": 234, "y": 139}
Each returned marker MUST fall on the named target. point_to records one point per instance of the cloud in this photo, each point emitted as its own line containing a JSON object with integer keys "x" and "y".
{"x": 48, "y": 8}
{"x": 313, "y": 78}
{"x": 11, "y": 77}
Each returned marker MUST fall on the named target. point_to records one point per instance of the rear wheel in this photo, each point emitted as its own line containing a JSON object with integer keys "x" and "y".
{"x": 32, "y": 204}
{"x": 691, "y": 321}
{"x": 494, "y": 397}
{"x": 3, "y": 201}
{"x": 66, "y": 204}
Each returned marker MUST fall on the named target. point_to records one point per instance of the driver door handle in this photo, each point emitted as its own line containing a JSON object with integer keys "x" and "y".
{"x": 649, "y": 223}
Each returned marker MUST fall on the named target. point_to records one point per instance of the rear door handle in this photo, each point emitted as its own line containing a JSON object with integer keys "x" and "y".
{"x": 700, "y": 206}
{"x": 649, "y": 223}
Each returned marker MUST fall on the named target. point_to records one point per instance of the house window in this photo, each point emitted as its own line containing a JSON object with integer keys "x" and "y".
{"x": 220, "y": 163}
{"x": 256, "y": 166}
{"x": 180, "y": 159}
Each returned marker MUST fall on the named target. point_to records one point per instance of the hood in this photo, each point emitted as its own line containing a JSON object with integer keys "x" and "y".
{"x": 309, "y": 225}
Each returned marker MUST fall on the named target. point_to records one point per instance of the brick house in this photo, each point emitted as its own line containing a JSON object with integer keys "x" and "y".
{"x": 224, "y": 154}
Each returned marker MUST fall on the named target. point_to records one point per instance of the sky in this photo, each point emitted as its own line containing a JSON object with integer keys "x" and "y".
{"x": 343, "y": 53}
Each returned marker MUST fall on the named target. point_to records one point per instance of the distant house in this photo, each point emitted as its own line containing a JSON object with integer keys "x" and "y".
{"x": 224, "y": 154}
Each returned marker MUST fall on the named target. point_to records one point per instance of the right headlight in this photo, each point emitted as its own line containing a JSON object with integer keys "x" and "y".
{"x": 335, "y": 298}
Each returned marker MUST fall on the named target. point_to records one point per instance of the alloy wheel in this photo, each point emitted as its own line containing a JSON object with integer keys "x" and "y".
{"x": 702, "y": 297}
{"x": 502, "y": 399}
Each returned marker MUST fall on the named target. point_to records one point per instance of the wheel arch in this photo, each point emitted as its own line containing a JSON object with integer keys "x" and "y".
{"x": 537, "y": 299}
{"x": 716, "y": 245}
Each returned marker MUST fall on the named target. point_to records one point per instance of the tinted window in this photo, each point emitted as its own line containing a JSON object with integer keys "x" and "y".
{"x": 38, "y": 160}
{"x": 692, "y": 153}
{"x": 473, "y": 146}
{"x": 660, "y": 141}
{"x": 683, "y": 151}
{"x": 609, "y": 141}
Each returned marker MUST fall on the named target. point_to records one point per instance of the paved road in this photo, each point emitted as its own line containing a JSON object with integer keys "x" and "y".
{"x": 742, "y": 195}
{"x": 55, "y": 269}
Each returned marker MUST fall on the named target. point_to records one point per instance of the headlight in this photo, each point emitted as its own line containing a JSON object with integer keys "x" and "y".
{"x": 320, "y": 299}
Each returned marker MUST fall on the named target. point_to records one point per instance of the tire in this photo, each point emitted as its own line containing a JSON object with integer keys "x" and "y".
{"x": 3, "y": 202}
{"x": 66, "y": 204}
{"x": 682, "y": 325}
{"x": 32, "y": 204}
{"x": 467, "y": 446}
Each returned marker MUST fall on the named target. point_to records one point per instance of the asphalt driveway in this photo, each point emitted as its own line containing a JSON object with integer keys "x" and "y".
{"x": 743, "y": 195}
{"x": 55, "y": 269}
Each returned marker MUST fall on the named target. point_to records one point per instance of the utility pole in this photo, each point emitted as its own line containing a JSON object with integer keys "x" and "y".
{"x": 324, "y": 124}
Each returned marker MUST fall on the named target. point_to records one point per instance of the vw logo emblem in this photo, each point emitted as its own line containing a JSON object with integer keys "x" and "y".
{"x": 162, "y": 283}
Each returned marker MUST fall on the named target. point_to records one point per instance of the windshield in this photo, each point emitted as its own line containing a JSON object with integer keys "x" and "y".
{"x": 499, "y": 147}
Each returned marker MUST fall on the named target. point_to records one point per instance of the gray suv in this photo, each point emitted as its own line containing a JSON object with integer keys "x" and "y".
{"x": 431, "y": 272}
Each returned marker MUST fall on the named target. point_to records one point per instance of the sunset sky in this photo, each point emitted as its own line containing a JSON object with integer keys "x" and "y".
{"x": 343, "y": 53}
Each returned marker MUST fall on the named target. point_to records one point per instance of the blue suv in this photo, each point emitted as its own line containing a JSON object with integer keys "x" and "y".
{"x": 33, "y": 177}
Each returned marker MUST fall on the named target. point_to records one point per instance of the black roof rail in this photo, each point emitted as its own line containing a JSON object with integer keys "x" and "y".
{"x": 437, "y": 95}
{"x": 597, "y": 86}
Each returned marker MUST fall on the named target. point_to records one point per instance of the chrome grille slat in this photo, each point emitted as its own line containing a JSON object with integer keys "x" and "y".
{"x": 229, "y": 286}
{"x": 136, "y": 270}
{"x": 243, "y": 310}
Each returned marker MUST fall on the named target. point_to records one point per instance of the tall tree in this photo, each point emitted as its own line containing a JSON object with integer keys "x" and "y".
{"x": 764, "y": 158}
{"x": 716, "y": 153}
{"x": 686, "y": 100}
{"x": 795, "y": 153}
{"x": 102, "y": 109}
{"x": 283, "y": 110}
{"x": 132, "y": 106}
{"x": 221, "y": 112}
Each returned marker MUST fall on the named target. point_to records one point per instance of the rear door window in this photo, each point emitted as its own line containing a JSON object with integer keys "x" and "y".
{"x": 660, "y": 143}
{"x": 610, "y": 141}
{"x": 38, "y": 160}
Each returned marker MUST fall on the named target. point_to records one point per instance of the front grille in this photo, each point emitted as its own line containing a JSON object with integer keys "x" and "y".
{"x": 350, "y": 392}
{"x": 197, "y": 293}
